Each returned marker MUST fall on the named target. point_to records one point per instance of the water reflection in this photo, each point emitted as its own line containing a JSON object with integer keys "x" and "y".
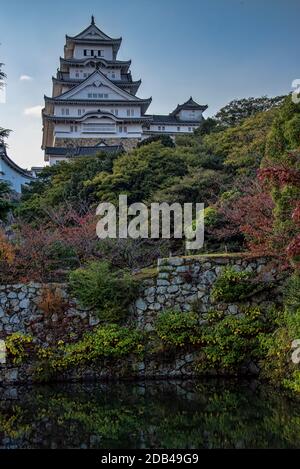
{"x": 211, "y": 414}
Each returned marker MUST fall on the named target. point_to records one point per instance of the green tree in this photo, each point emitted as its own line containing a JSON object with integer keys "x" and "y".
{"x": 5, "y": 203}
{"x": 4, "y": 133}
{"x": 239, "y": 109}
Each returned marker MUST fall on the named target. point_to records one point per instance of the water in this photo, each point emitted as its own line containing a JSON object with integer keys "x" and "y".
{"x": 186, "y": 414}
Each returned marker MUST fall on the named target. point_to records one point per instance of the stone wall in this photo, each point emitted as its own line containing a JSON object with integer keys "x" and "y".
{"x": 49, "y": 313}
{"x": 186, "y": 282}
{"x": 128, "y": 143}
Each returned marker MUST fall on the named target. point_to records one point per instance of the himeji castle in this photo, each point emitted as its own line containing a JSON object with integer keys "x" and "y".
{"x": 94, "y": 105}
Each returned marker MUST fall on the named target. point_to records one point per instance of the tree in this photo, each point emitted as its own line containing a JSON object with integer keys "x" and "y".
{"x": 139, "y": 174}
{"x": 164, "y": 140}
{"x": 63, "y": 185}
{"x": 239, "y": 109}
{"x": 4, "y": 133}
{"x": 5, "y": 203}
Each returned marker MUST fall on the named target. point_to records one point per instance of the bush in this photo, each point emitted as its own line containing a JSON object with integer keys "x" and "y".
{"x": 292, "y": 293}
{"x": 277, "y": 365}
{"x": 104, "y": 342}
{"x": 164, "y": 140}
{"x": 234, "y": 286}
{"x": 232, "y": 341}
{"x": 104, "y": 290}
{"x": 18, "y": 347}
{"x": 62, "y": 255}
{"x": 177, "y": 328}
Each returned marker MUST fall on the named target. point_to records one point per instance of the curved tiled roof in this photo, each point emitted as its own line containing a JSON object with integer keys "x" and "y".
{"x": 71, "y": 152}
{"x": 4, "y": 156}
{"x": 190, "y": 104}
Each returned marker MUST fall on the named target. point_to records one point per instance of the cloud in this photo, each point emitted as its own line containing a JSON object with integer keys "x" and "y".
{"x": 25, "y": 78}
{"x": 34, "y": 111}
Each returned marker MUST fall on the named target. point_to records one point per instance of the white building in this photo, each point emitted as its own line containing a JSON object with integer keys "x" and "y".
{"x": 94, "y": 99}
{"x": 12, "y": 173}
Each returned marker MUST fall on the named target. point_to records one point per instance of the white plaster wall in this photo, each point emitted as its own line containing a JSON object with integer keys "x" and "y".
{"x": 133, "y": 130}
{"x": 173, "y": 128}
{"x": 73, "y": 110}
{"x": 107, "y": 51}
{"x": 186, "y": 115}
{"x": 9, "y": 174}
{"x": 84, "y": 72}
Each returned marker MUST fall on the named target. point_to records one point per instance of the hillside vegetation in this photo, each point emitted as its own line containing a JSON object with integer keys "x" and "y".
{"x": 244, "y": 165}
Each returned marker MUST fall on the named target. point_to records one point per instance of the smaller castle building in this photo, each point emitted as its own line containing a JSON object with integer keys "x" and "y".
{"x": 12, "y": 173}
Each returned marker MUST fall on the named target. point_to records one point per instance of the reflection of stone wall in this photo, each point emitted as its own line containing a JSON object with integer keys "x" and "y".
{"x": 181, "y": 283}
{"x": 128, "y": 143}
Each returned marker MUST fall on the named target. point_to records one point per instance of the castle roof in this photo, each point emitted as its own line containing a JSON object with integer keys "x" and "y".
{"x": 123, "y": 64}
{"x": 4, "y": 156}
{"x": 71, "y": 152}
{"x": 170, "y": 119}
{"x": 189, "y": 105}
{"x": 93, "y": 35}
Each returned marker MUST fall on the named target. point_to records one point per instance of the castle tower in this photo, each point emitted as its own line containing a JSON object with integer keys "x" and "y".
{"x": 94, "y": 103}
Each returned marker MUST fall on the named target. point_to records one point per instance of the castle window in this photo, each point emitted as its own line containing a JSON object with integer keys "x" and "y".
{"x": 100, "y": 53}
{"x": 77, "y": 75}
{"x": 132, "y": 112}
{"x": 125, "y": 129}
{"x": 128, "y": 112}
{"x": 85, "y": 52}
{"x": 90, "y": 95}
{"x": 79, "y": 112}
{"x": 85, "y": 75}
{"x": 99, "y": 128}
{"x": 163, "y": 127}
{"x": 190, "y": 129}
{"x": 178, "y": 129}
{"x": 120, "y": 129}
{"x": 113, "y": 75}
{"x": 73, "y": 128}
{"x": 159, "y": 127}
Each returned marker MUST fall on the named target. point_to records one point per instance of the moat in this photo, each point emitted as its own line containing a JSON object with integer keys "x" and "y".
{"x": 173, "y": 414}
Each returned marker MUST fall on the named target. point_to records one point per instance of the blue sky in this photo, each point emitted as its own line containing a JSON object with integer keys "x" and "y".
{"x": 214, "y": 50}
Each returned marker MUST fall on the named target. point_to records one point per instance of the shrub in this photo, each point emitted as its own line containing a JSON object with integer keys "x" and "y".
{"x": 177, "y": 328}
{"x": 292, "y": 293}
{"x": 52, "y": 301}
{"x": 108, "y": 292}
{"x": 164, "y": 140}
{"x": 231, "y": 341}
{"x": 276, "y": 363}
{"x": 18, "y": 346}
{"x": 62, "y": 255}
{"x": 234, "y": 286}
{"x": 104, "y": 342}
{"x": 7, "y": 250}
